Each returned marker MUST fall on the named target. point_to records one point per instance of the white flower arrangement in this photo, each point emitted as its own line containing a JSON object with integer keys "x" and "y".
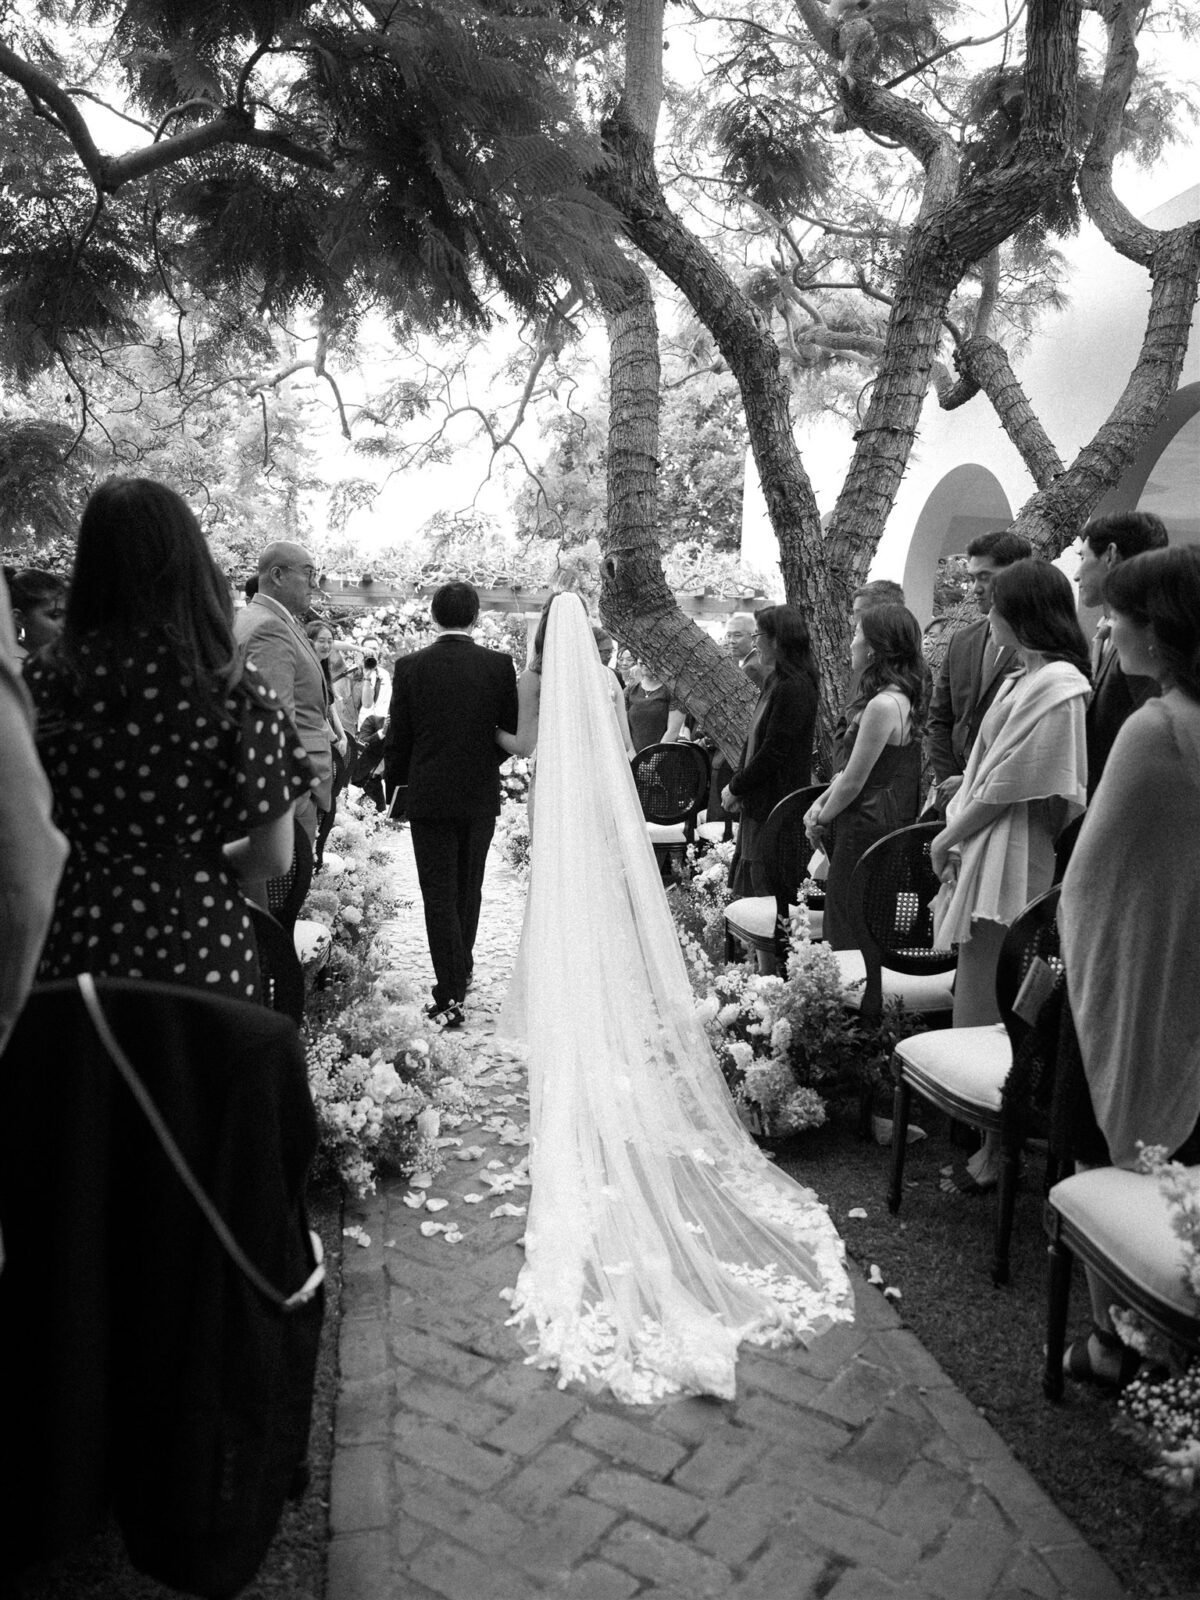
{"x": 512, "y": 836}
{"x": 1162, "y": 1405}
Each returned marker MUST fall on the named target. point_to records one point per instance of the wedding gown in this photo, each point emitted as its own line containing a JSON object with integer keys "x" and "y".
{"x": 658, "y": 1236}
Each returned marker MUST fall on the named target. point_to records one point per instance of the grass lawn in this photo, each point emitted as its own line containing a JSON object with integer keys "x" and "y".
{"x": 937, "y": 1252}
{"x": 294, "y": 1568}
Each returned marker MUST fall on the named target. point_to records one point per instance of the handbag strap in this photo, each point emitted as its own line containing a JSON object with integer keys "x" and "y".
{"x": 162, "y": 1133}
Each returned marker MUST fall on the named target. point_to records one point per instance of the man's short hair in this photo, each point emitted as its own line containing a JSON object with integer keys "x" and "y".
{"x": 1133, "y": 533}
{"x": 455, "y": 605}
{"x": 1003, "y": 547}
{"x": 880, "y": 592}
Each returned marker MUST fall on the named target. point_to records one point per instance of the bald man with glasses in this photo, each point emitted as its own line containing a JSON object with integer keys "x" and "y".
{"x": 269, "y": 632}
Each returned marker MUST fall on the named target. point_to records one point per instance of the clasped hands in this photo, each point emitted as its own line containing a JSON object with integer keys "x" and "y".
{"x": 815, "y": 829}
{"x": 730, "y": 802}
{"x": 944, "y": 857}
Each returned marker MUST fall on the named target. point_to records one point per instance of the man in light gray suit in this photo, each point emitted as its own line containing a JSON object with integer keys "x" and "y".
{"x": 269, "y": 634}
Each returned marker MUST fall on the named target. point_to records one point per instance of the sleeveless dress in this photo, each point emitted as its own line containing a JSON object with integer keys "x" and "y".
{"x": 890, "y": 799}
{"x": 148, "y": 785}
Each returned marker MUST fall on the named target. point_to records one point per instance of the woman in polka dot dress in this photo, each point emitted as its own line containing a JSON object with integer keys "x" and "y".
{"x": 174, "y": 768}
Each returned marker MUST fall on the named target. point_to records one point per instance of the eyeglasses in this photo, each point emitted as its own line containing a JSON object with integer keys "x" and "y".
{"x": 310, "y": 573}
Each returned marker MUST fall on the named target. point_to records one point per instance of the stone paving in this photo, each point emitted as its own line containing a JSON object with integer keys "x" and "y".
{"x": 852, "y": 1471}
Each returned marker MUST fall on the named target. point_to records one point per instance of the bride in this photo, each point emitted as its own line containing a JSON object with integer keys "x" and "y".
{"x": 658, "y": 1236}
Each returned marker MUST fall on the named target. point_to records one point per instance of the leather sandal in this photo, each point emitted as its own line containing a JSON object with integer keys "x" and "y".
{"x": 1079, "y": 1366}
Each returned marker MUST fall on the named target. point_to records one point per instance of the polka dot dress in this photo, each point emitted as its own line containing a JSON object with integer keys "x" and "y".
{"x": 150, "y": 780}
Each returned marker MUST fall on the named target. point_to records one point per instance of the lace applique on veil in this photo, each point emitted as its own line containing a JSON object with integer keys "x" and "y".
{"x": 659, "y": 1237}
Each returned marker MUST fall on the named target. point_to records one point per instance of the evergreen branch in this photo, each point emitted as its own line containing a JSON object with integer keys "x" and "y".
{"x": 950, "y": 49}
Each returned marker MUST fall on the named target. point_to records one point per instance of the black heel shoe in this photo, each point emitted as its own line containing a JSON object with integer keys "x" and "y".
{"x": 1079, "y": 1366}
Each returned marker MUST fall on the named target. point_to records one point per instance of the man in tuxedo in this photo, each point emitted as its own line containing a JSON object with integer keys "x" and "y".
{"x": 269, "y": 633}
{"x": 1107, "y": 541}
{"x": 972, "y": 669}
{"x": 447, "y": 702}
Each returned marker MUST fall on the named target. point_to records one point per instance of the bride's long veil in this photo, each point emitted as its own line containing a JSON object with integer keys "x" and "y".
{"x": 658, "y": 1236}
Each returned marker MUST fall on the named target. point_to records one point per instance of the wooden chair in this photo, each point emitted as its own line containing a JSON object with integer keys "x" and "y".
{"x": 760, "y": 922}
{"x": 1117, "y": 1223}
{"x": 891, "y": 889}
{"x": 672, "y": 785}
{"x": 962, "y": 1071}
{"x": 279, "y": 966}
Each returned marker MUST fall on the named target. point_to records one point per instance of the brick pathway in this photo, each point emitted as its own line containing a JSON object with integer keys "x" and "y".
{"x": 854, "y": 1471}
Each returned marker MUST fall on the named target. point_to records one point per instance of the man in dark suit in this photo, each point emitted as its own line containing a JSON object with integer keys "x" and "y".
{"x": 447, "y": 702}
{"x": 972, "y": 669}
{"x": 1106, "y": 542}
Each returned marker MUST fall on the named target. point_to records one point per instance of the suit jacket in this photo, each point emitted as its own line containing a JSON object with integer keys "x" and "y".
{"x": 270, "y": 636}
{"x": 778, "y": 753}
{"x": 447, "y": 702}
{"x": 961, "y": 697}
{"x": 1115, "y": 697}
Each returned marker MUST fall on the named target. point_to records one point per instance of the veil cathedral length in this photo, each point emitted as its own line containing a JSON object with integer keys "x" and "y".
{"x": 658, "y": 1237}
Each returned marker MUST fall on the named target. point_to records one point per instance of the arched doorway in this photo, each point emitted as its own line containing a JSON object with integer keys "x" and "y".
{"x": 1163, "y": 478}
{"x": 969, "y": 500}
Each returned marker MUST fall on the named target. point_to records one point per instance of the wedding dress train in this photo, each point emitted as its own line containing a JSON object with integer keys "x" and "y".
{"x": 658, "y": 1236}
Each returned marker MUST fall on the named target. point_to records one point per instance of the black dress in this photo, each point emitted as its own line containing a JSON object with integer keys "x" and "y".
{"x": 148, "y": 784}
{"x": 890, "y": 799}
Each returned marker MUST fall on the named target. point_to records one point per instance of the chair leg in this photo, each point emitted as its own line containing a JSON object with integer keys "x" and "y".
{"x": 1058, "y": 1297}
{"x": 1006, "y": 1198}
{"x": 900, "y": 1104}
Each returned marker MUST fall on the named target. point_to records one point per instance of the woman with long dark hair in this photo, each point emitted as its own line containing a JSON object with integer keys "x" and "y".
{"x": 777, "y": 756}
{"x": 1131, "y": 906}
{"x": 877, "y": 788}
{"x": 174, "y": 768}
{"x": 1026, "y": 779}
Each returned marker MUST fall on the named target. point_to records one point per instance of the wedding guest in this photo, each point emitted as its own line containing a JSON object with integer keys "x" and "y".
{"x": 321, "y": 635}
{"x": 174, "y": 769}
{"x": 877, "y": 592}
{"x": 32, "y": 849}
{"x": 1131, "y": 906}
{"x": 877, "y": 788}
{"x": 777, "y": 756}
{"x": 1107, "y": 541}
{"x": 39, "y": 603}
{"x": 654, "y": 718}
{"x": 973, "y": 667}
{"x": 739, "y": 643}
{"x": 1026, "y": 779}
{"x": 270, "y": 633}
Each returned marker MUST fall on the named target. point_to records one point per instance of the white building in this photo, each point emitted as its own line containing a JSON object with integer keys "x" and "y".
{"x": 965, "y": 476}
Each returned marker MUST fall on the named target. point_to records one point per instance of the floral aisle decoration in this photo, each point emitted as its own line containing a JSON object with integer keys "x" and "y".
{"x": 1161, "y": 1407}
{"x": 386, "y": 1084}
{"x": 790, "y": 1047}
{"x": 512, "y": 835}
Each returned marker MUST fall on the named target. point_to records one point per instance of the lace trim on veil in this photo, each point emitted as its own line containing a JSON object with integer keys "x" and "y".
{"x": 659, "y": 1237}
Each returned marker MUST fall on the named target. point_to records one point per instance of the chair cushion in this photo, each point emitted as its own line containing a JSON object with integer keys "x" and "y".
{"x": 666, "y": 833}
{"x": 920, "y": 991}
{"x": 1125, "y": 1215}
{"x": 714, "y": 832}
{"x": 754, "y": 916}
{"x": 969, "y": 1064}
{"x": 313, "y": 943}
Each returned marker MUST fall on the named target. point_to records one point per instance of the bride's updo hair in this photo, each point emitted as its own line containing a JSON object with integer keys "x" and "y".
{"x": 1161, "y": 590}
{"x": 539, "y": 637}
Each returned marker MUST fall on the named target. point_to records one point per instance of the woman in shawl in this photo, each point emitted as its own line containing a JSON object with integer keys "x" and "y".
{"x": 1025, "y": 780}
{"x": 1131, "y": 906}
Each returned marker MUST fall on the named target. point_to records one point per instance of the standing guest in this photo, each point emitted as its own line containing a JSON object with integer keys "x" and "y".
{"x": 1026, "y": 779}
{"x": 174, "y": 769}
{"x": 878, "y": 592}
{"x": 321, "y": 635}
{"x": 777, "y": 756}
{"x": 1107, "y": 541}
{"x": 606, "y": 649}
{"x": 32, "y": 849}
{"x": 654, "y": 718}
{"x": 1131, "y": 906}
{"x": 878, "y": 784}
{"x": 739, "y": 641}
{"x": 973, "y": 667}
{"x": 447, "y": 702}
{"x": 39, "y": 603}
{"x": 270, "y": 633}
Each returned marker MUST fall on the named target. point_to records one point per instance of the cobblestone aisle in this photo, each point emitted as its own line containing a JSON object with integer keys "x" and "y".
{"x": 855, "y": 1471}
